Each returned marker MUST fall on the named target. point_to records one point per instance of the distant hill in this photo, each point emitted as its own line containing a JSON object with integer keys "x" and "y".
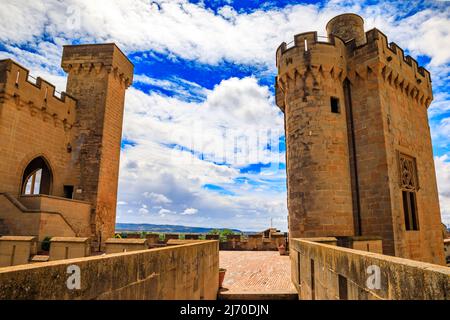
{"x": 164, "y": 228}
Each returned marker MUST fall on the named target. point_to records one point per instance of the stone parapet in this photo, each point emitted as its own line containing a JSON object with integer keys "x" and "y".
{"x": 184, "y": 272}
{"x": 16, "y": 250}
{"x": 36, "y": 96}
{"x": 322, "y": 271}
{"x": 62, "y": 248}
{"x": 96, "y": 57}
{"x": 114, "y": 245}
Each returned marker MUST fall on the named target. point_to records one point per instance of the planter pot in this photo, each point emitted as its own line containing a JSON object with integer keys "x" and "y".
{"x": 221, "y": 276}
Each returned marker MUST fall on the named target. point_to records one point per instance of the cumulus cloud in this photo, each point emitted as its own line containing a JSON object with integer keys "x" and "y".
{"x": 442, "y": 164}
{"x": 204, "y": 134}
{"x": 190, "y": 143}
{"x": 192, "y": 31}
{"x": 156, "y": 197}
{"x": 189, "y": 211}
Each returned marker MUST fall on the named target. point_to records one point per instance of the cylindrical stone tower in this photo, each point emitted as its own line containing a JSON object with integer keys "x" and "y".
{"x": 347, "y": 26}
{"x": 310, "y": 93}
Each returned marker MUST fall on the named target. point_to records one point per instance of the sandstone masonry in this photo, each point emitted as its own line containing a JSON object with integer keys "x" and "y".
{"x": 359, "y": 153}
{"x": 63, "y": 146}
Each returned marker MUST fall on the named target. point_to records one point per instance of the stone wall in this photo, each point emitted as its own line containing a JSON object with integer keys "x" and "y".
{"x": 69, "y": 248}
{"x": 22, "y": 221}
{"x": 76, "y": 213}
{"x": 75, "y": 137}
{"x": 318, "y": 180}
{"x": 33, "y": 122}
{"x": 323, "y": 271}
{"x": 344, "y": 174}
{"x": 189, "y": 271}
{"x": 98, "y": 76}
{"x": 255, "y": 242}
{"x": 16, "y": 250}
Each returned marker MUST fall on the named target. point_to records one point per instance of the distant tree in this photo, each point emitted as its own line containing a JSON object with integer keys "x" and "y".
{"x": 223, "y": 233}
{"x": 214, "y": 231}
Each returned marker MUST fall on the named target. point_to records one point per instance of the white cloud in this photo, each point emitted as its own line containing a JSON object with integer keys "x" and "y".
{"x": 143, "y": 211}
{"x": 443, "y": 177}
{"x": 440, "y": 104}
{"x": 191, "y": 31}
{"x": 190, "y": 211}
{"x": 244, "y": 108}
{"x": 164, "y": 212}
{"x": 156, "y": 197}
{"x": 180, "y": 87}
{"x": 151, "y": 167}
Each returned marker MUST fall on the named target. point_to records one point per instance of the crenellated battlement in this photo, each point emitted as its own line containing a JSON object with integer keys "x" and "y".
{"x": 355, "y": 111}
{"x": 86, "y": 59}
{"x": 401, "y": 72}
{"x": 37, "y": 94}
{"x": 390, "y": 49}
{"x": 375, "y": 56}
{"x": 304, "y": 42}
{"x": 307, "y": 40}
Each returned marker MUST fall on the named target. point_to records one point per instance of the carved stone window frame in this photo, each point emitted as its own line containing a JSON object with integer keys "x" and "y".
{"x": 409, "y": 185}
{"x": 414, "y": 184}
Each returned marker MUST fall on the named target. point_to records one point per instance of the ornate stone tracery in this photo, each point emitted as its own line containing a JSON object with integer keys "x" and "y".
{"x": 408, "y": 173}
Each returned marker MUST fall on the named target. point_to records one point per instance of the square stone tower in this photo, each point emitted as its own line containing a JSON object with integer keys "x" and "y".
{"x": 98, "y": 76}
{"x": 359, "y": 153}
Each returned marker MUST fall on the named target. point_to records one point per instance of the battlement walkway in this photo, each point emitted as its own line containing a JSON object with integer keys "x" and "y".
{"x": 256, "y": 275}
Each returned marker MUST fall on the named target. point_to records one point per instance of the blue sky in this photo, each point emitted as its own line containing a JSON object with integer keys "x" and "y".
{"x": 203, "y": 141}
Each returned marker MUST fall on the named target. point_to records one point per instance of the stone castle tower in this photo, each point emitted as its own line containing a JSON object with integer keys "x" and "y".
{"x": 60, "y": 152}
{"x": 98, "y": 76}
{"x": 359, "y": 154}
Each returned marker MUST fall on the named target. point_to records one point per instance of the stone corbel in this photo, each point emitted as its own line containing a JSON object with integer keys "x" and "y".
{"x": 98, "y": 66}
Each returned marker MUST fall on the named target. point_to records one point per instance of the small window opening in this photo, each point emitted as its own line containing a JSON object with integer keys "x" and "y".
{"x": 68, "y": 192}
{"x": 17, "y": 78}
{"x": 33, "y": 183}
{"x": 313, "y": 283}
{"x": 409, "y": 186}
{"x": 37, "y": 178}
{"x": 335, "y": 105}
{"x": 410, "y": 211}
{"x": 343, "y": 288}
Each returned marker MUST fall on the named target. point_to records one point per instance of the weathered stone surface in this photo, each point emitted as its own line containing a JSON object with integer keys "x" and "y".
{"x": 114, "y": 245}
{"x": 189, "y": 271}
{"x": 77, "y": 137}
{"x": 343, "y": 168}
{"x": 16, "y": 250}
{"x": 400, "y": 279}
{"x": 69, "y": 248}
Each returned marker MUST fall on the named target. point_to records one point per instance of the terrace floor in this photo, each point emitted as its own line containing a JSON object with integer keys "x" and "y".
{"x": 256, "y": 275}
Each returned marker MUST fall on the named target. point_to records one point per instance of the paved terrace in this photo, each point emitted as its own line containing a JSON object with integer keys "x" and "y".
{"x": 256, "y": 275}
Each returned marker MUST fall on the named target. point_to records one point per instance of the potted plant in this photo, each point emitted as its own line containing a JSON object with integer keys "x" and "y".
{"x": 45, "y": 245}
{"x": 222, "y": 272}
{"x": 282, "y": 249}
